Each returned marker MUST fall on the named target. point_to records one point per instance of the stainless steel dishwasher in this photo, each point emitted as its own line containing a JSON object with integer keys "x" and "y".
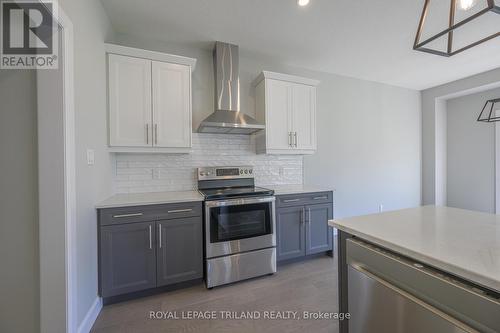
{"x": 388, "y": 293}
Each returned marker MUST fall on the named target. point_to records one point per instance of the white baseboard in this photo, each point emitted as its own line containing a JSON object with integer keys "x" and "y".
{"x": 89, "y": 320}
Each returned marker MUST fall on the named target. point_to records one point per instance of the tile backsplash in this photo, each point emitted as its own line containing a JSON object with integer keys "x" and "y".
{"x": 177, "y": 172}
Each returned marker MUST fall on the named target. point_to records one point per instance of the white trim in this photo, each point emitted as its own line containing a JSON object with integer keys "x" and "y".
{"x": 149, "y": 150}
{"x": 91, "y": 316}
{"x": 286, "y": 151}
{"x": 441, "y": 152}
{"x": 497, "y": 165}
{"x": 67, "y": 48}
{"x": 151, "y": 55}
{"x": 284, "y": 77}
{"x": 70, "y": 167}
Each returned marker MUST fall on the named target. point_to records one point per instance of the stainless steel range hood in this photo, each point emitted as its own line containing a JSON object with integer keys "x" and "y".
{"x": 227, "y": 118}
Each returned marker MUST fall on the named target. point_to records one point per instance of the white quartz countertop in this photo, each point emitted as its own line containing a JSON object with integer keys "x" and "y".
{"x": 152, "y": 198}
{"x": 296, "y": 189}
{"x": 461, "y": 242}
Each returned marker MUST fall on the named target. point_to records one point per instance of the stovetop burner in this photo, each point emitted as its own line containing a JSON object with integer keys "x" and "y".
{"x": 235, "y": 192}
{"x": 229, "y": 182}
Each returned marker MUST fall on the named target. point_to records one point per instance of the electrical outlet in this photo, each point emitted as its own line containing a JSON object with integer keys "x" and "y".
{"x": 90, "y": 157}
{"x": 156, "y": 173}
{"x": 380, "y": 208}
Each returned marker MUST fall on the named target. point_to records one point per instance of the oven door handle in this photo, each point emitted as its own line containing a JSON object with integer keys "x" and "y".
{"x": 238, "y": 202}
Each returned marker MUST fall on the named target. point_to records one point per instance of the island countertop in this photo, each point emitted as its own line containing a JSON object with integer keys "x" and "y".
{"x": 461, "y": 242}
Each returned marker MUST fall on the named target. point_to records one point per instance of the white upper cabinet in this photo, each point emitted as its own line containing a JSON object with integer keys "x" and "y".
{"x": 149, "y": 96}
{"x": 279, "y": 100}
{"x": 287, "y": 105}
{"x": 304, "y": 116}
{"x": 172, "y": 105}
{"x": 129, "y": 101}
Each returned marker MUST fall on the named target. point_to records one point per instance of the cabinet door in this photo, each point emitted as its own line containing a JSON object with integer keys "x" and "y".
{"x": 304, "y": 116}
{"x": 127, "y": 258}
{"x": 129, "y": 88}
{"x": 171, "y": 105}
{"x": 278, "y": 114}
{"x": 290, "y": 232}
{"x": 180, "y": 250}
{"x": 318, "y": 233}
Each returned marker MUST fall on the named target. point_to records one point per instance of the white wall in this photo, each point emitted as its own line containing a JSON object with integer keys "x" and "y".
{"x": 19, "y": 287}
{"x": 93, "y": 183}
{"x": 369, "y": 145}
{"x": 471, "y": 154}
{"x": 369, "y": 142}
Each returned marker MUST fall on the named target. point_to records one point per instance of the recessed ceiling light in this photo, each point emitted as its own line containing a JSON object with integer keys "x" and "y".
{"x": 302, "y": 3}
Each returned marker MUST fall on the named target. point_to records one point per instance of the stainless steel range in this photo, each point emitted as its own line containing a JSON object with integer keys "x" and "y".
{"x": 240, "y": 239}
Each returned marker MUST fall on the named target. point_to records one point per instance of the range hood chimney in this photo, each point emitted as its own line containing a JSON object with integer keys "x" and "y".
{"x": 227, "y": 118}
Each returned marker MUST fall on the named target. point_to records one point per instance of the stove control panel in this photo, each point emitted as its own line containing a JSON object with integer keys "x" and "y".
{"x": 210, "y": 173}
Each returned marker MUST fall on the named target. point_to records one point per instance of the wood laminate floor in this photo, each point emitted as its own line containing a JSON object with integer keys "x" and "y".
{"x": 304, "y": 286}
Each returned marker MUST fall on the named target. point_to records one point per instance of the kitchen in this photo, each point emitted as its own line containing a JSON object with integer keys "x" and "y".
{"x": 223, "y": 172}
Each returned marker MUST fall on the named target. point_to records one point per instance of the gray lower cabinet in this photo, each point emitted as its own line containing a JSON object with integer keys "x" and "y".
{"x": 127, "y": 258}
{"x": 290, "y": 236}
{"x": 302, "y": 225}
{"x": 180, "y": 253}
{"x": 150, "y": 246}
{"x": 319, "y": 235}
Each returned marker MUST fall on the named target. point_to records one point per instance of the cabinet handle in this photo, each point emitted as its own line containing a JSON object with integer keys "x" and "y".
{"x": 309, "y": 216}
{"x": 127, "y": 215}
{"x": 159, "y": 234}
{"x": 289, "y": 139}
{"x": 180, "y": 211}
{"x": 156, "y": 133}
{"x": 291, "y": 200}
{"x": 147, "y": 134}
{"x": 150, "y": 239}
{"x": 320, "y": 198}
{"x": 295, "y": 139}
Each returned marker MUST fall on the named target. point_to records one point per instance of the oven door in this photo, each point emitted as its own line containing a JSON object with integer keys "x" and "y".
{"x": 239, "y": 225}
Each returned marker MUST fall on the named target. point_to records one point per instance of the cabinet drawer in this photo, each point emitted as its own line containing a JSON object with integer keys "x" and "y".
{"x": 304, "y": 199}
{"x": 135, "y": 214}
{"x": 124, "y": 215}
{"x": 179, "y": 210}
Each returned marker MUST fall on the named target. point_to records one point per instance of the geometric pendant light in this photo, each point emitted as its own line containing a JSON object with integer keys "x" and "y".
{"x": 464, "y": 18}
{"x": 488, "y": 114}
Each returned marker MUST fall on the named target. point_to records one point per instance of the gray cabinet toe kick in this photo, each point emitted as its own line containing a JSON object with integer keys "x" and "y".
{"x": 302, "y": 224}
{"x": 147, "y": 247}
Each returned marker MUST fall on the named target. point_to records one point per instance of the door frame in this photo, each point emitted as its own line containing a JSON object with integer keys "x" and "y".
{"x": 68, "y": 179}
{"x": 433, "y": 171}
{"x": 497, "y": 165}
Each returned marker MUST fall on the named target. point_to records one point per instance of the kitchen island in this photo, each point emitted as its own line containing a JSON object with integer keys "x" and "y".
{"x": 432, "y": 269}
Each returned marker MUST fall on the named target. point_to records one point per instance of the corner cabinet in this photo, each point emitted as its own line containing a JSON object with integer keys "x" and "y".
{"x": 287, "y": 105}
{"x": 149, "y": 101}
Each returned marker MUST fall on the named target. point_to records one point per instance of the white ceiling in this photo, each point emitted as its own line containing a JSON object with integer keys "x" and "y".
{"x": 367, "y": 39}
